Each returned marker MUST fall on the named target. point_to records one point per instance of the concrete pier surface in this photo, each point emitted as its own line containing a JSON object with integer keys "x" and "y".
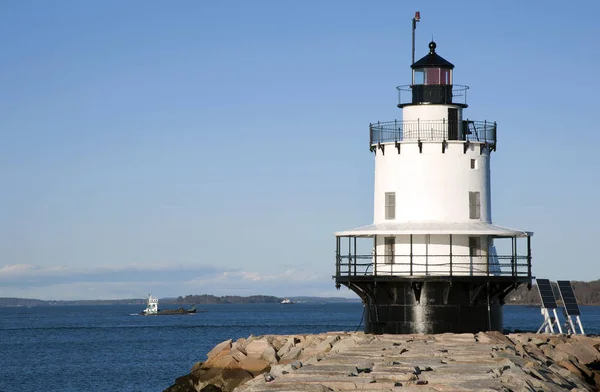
{"x": 342, "y": 361}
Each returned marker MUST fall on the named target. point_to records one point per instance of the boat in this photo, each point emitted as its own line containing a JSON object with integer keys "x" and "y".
{"x": 287, "y": 301}
{"x": 152, "y": 309}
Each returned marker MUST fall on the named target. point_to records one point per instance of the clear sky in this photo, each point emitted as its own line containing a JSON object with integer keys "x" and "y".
{"x": 214, "y": 147}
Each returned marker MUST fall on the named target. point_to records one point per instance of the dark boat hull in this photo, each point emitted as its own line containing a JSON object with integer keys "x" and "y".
{"x": 172, "y": 312}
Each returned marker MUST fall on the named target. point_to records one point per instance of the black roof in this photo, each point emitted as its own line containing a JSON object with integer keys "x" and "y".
{"x": 432, "y": 60}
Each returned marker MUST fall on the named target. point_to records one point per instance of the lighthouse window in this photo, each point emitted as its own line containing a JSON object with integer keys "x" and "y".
{"x": 419, "y": 76}
{"x": 474, "y": 246}
{"x": 445, "y": 76}
{"x": 474, "y": 205}
{"x": 432, "y": 76}
{"x": 473, "y": 164}
{"x": 390, "y": 243}
{"x": 390, "y": 205}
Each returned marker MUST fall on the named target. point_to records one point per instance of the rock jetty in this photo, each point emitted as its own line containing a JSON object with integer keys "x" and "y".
{"x": 343, "y": 361}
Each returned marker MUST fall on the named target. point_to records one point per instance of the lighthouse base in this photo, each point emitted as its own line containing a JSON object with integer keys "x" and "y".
{"x": 433, "y": 306}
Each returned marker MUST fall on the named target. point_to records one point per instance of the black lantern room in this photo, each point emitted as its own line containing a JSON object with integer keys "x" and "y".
{"x": 432, "y": 79}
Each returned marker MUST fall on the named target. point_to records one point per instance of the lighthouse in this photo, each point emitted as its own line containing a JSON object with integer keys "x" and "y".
{"x": 432, "y": 261}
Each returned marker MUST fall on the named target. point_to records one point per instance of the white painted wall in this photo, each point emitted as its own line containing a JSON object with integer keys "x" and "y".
{"x": 431, "y": 186}
{"x": 424, "y": 122}
{"x": 431, "y": 256}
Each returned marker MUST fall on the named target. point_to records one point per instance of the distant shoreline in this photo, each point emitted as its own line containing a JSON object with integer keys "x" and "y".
{"x": 588, "y": 294}
{"x": 11, "y": 302}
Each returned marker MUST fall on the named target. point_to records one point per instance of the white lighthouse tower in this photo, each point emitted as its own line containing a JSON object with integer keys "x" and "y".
{"x": 429, "y": 264}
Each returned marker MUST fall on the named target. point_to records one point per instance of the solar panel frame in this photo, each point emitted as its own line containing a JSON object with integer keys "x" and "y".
{"x": 568, "y": 297}
{"x": 546, "y": 293}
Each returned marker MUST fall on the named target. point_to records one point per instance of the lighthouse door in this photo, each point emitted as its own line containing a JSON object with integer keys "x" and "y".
{"x": 452, "y": 124}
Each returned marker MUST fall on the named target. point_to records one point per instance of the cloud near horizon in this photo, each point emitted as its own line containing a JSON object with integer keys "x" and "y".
{"x": 136, "y": 281}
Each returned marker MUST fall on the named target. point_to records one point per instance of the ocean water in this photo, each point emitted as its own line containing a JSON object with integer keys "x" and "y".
{"x": 112, "y": 348}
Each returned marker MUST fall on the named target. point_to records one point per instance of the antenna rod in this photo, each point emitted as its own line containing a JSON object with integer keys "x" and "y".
{"x": 414, "y": 27}
{"x": 415, "y": 20}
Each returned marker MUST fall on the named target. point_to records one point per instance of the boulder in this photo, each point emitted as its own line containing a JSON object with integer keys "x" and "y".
{"x": 239, "y": 345}
{"x": 255, "y": 366}
{"x": 280, "y": 370}
{"x": 347, "y": 361}
{"x": 270, "y": 355}
{"x": 232, "y": 378}
{"x": 211, "y": 388}
{"x": 221, "y": 360}
{"x": 277, "y": 341}
{"x": 183, "y": 384}
{"x": 570, "y": 366}
{"x": 292, "y": 355}
{"x": 285, "y": 348}
{"x": 587, "y": 340}
{"x": 261, "y": 349}
{"x": 298, "y": 340}
{"x": 196, "y": 366}
{"x": 492, "y": 337}
{"x": 557, "y": 355}
{"x": 238, "y": 355}
{"x": 225, "y": 345}
{"x": 343, "y": 344}
{"x": 584, "y": 353}
{"x": 535, "y": 352}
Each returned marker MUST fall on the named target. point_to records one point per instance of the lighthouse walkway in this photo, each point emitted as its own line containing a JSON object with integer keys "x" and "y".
{"x": 343, "y": 361}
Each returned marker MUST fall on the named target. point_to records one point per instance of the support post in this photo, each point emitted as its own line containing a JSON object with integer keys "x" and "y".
{"x": 529, "y": 256}
{"x": 354, "y": 256}
{"x": 489, "y": 318}
{"x": 450, "y": 254}
{"x": 485, "y": 131}
{"x": 427, "y": 240}
{"x": 570, "y": 326}
{"x": 580, "y": 326}
{"x": 349, "y": 255}
{"x": 489, "y": 242}
{"x": 514, "y": 253}
{"x": 338, "y": 256}
{"x": 375, "y": 254}
{"x": 411, "y": 255}
{"x": 557, "y": 322}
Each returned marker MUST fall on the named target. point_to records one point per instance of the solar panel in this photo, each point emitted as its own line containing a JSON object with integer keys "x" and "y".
{"x": 546, "y": 293}
{"x": 568, "y": 297}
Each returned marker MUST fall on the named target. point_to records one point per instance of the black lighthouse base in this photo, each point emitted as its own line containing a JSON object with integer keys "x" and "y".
{"x": 434, "y": 304}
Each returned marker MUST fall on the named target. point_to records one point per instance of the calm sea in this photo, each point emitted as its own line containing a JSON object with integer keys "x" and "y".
{"x": 111, "y": 348}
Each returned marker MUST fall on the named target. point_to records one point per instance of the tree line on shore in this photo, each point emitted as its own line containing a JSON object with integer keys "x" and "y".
{"x": 227, "y": 299}
{"x": 587, "y": 293}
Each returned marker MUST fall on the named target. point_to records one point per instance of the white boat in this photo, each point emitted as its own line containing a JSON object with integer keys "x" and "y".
{"x": 153, "y": 310}
{"x": 287, "y": 301}
{"x": 151, "y": 306}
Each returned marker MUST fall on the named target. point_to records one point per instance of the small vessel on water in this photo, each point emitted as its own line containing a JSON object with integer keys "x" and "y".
{"x": 152, "y": 309}
{"x": 287, "y": 301}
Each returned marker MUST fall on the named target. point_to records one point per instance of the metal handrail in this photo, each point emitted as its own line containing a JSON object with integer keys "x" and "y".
{"x": 505, "y": 265}
{"x": 432, "y": 130}
{"x": 459, "y": 93}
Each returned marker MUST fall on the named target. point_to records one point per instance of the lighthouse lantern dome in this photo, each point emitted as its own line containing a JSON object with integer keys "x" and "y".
{"x": 432, "y": 79}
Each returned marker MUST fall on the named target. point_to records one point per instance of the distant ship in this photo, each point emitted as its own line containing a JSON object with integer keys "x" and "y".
{"x": 153, "y": 310}
{"x": 287, "y": 301}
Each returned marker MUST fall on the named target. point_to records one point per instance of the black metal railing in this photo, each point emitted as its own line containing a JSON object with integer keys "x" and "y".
{"x": 352, "y": 265}
{"x": 435, "y": 94}
{"x": 433, "y": 130}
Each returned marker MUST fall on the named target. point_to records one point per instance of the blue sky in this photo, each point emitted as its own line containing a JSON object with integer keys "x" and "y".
{"x": 214, "y": 147}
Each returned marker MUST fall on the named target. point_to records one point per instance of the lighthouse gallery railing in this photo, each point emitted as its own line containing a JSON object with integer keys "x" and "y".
{"x": 433, "y": 130}
{"x": 459, "y": 265}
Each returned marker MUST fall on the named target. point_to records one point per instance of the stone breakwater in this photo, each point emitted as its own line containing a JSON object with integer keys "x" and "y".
{"x": 342, "y": 361}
